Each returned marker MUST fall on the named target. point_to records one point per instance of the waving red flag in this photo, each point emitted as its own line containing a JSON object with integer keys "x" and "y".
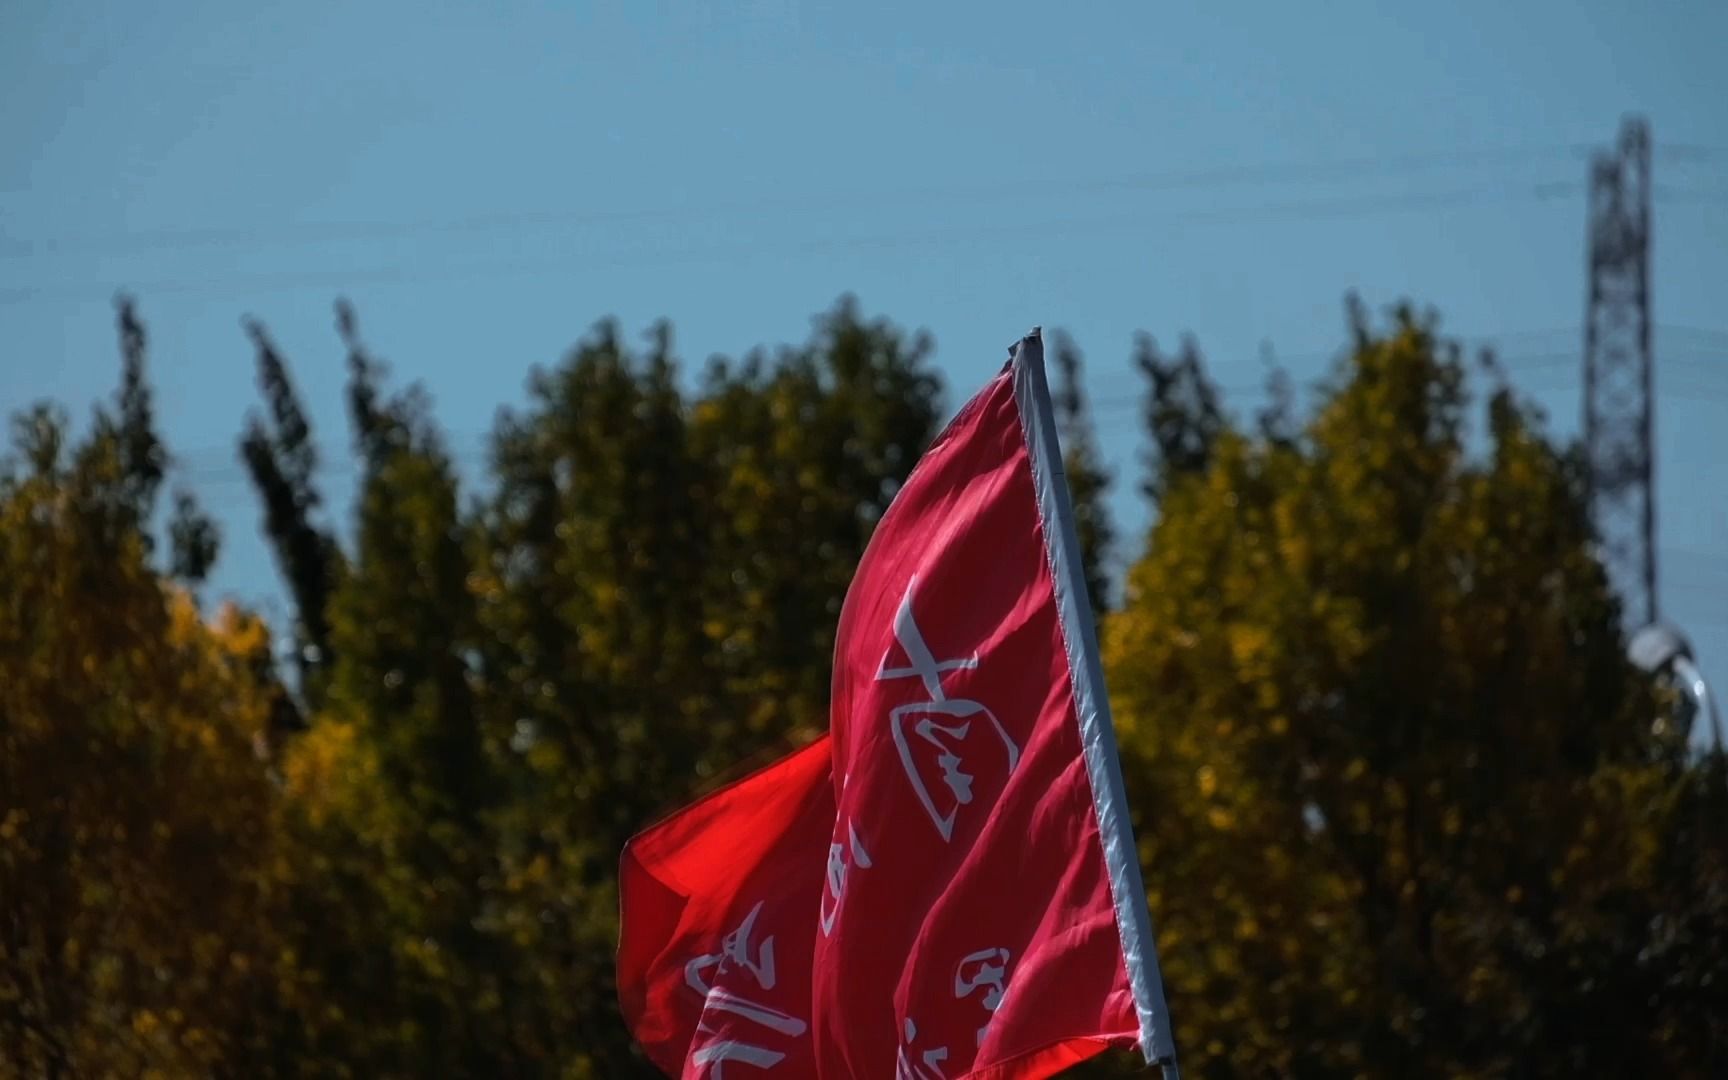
{"x": 718, "y": 904}
{"x": 1001, "y": 929}
{"x": 970, "y": 894}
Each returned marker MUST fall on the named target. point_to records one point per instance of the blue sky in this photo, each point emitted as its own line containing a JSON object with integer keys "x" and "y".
{"x": 486, "y": 181}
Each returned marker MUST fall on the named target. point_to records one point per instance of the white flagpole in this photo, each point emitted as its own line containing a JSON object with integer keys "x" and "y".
{"x": 1091, "y": 704}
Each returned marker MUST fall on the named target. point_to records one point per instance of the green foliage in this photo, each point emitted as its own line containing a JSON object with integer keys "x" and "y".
{"x": 660, "y": 583}
{"x": 400, "y": 818}
{"x": 645, "y": 597}
{"x": 194, "y": 539}
{"x": 281, "y": 458}
{"x": 1088, "y": 479}
{"x": 1183, "y": 414}
{"x": 135, "y": 854}
{"x": 1402, "y": 803}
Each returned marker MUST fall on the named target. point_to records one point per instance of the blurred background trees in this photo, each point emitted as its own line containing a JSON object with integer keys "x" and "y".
{"x": 1404, "y": 807}
{"x": 137, "y": 861}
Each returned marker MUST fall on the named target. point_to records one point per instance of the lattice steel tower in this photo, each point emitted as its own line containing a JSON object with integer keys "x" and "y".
{"x": 1618, "y": 421}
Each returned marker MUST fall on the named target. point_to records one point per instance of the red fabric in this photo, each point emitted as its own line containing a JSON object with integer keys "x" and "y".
{"x": 982, "y": 940}
{"x": 941, "y": 901}
{"x": 718, "y": 906}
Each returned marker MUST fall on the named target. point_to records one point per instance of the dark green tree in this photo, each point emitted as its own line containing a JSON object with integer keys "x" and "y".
{"x": 137, "y": 910}
{"x": 1404, "y": 807}
{"x": 644, "y": 600}
{"x": 282, "y": 457}
{"x": 659, "y": 580}
{"x": 1088, "y": 479}
{"x": 1183, "y": 413}
{"x": 1399, "y": 793}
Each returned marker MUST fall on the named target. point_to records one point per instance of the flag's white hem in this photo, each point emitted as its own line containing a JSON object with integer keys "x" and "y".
{"x": 1091, "y": 705}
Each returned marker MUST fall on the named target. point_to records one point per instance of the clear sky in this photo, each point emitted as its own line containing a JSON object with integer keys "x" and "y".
{"x": 484, "y": 181}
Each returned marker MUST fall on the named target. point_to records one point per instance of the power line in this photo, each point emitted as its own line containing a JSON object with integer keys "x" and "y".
{"x": 1694, "y": 331}
{"x": 1671, "y": 195}
{"x": 1514, "y": 363}
{"x": 1691, "y": 152}
{"x": 220, "y": 465}
{"x": 1021, "y": 233}
{"x": 1689, "y": 586}
{"x": 1715, "y": 559}
{"x": 222, "y": 462}
{"x": 1692, "y": 392}
{"x": 1705, "y": 360}
{"x": 1260, "y": 174}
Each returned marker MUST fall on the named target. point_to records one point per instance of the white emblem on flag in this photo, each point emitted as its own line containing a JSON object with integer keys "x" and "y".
{"x": 986, "y": 970}
{"x": 926, "y": 1066}
{"x": 843, "y": 858}
{"x": 940, "y": 724}
{"x": 736, "y": 954}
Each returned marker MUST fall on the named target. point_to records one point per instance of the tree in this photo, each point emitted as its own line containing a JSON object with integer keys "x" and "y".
{"x": 136, "y": 885}
{"x": 659, "y": 581}
{"x": 1405, "y": 808}
{"x": 391, "y": 786}
{"x": 282, "y": 459}
{"x": 591, "y": 558}
{"x": 1400, "y": 796}
{"x": 504, "y": 693}
{"x": 1183, "y": 413}
{"x": 807, "y": 451}
{"x": 1088, "y": 479}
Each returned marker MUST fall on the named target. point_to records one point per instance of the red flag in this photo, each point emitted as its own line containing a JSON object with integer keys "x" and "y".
{"x": 970, "y": 894}
{"x": 1001, "y": 928}
{"x": 718, "y": 905}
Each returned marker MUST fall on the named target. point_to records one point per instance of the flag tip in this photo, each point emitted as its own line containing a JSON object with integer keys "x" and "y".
{"x": 1034, "y": 336}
